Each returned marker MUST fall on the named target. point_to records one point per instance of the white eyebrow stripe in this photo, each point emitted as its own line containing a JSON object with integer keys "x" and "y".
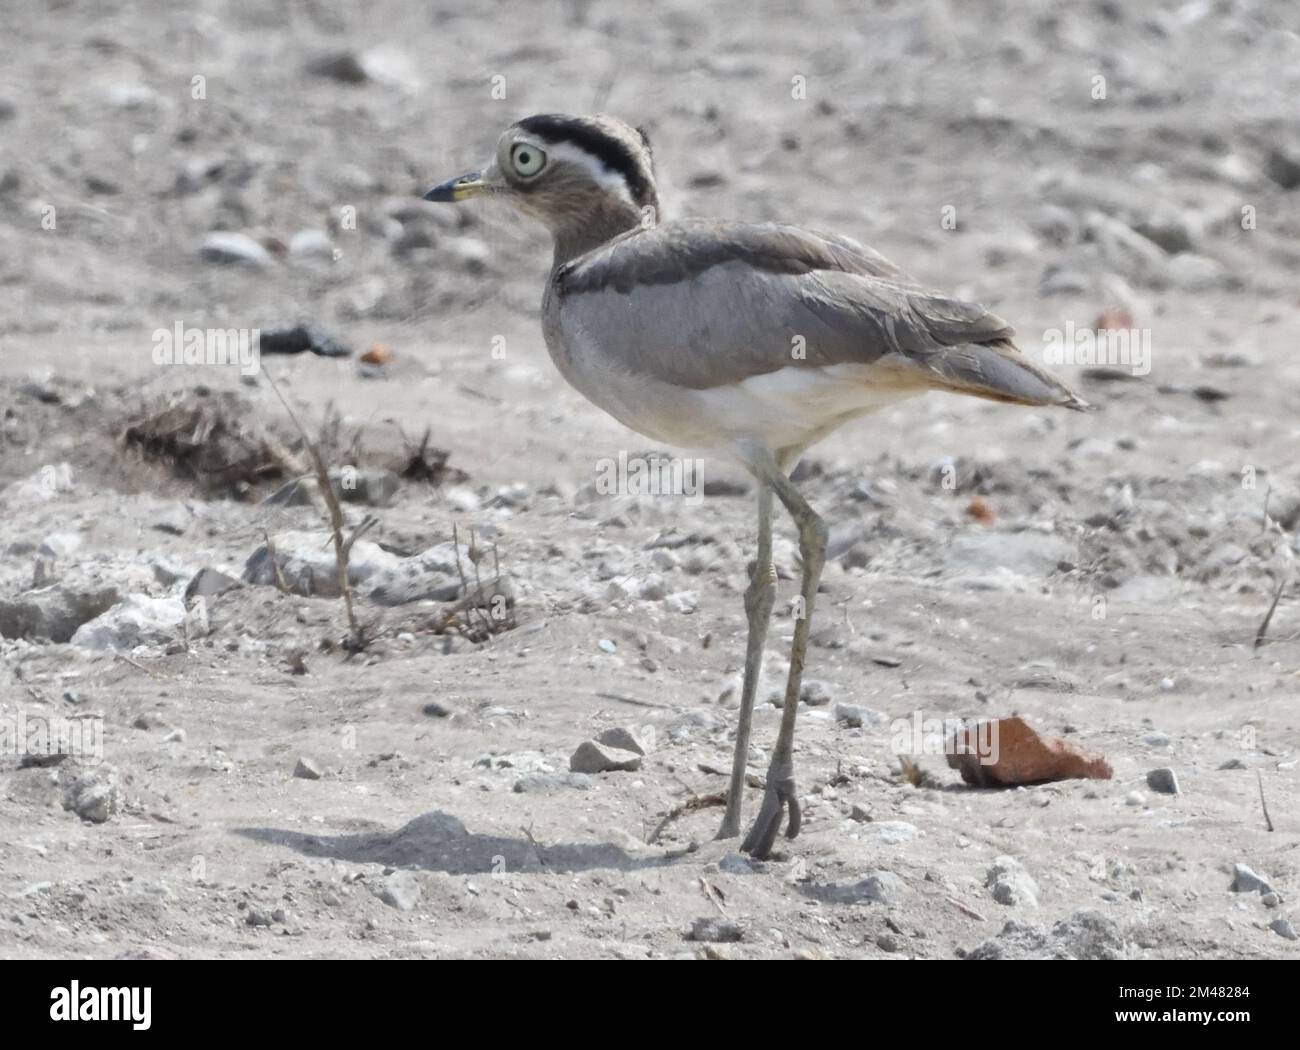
{"x": 605, "y": 178}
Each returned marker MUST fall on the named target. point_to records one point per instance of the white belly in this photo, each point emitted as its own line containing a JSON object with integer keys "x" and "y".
{"x": 790, "y": 408}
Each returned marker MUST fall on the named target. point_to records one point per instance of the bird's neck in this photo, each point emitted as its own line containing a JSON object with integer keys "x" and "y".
{"x": 580, "y": 233}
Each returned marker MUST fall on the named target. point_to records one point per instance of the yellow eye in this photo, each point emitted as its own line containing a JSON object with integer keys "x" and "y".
{"x": 527, "y": 160}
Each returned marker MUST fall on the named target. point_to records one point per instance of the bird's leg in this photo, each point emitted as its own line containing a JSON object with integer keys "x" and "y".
{"x": 781, "y": 790}
{"x": 759, "y": 598}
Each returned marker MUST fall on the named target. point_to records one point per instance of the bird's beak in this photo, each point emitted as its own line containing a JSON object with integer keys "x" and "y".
{"x": 459, "y": 189}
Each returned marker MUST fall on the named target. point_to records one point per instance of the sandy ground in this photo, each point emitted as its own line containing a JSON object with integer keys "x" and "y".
{"x": 1109, "y": 590}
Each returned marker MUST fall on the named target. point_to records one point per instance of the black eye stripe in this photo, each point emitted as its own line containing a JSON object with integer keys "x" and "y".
{"x": 612, "y": 152}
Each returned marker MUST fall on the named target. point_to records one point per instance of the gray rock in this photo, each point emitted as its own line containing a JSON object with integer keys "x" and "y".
{"x": 1033, "y": 554}
{"x": 893, "y": 832}
{"x": 137, "y": 620}
{"x": 210, "y": 583}
{"x": 639, "y": 740}
{"x": 1010, "y": 884}
{"x": 308, "y": 769}
{"x": 308, "y": 568}
{"x": 735, "y": 864}
{"x": 815, "y": 693}
{"x": 1163, "y": 780}
{"x": 60, "y": 546}
{"x": 716, "y": 930}
{"x": 545, "y": 783}
{"x": 311, "y": 244}
{"x": 1233, "y": 763}
{"x": 233, "y": 249}
{"x": 93, "y": 794}
{"x": 855, "y": 717}
{"x": 173, "y": 519}
{"x": 257, "y": 917}
{"x": 1156, "y": 739}
{"x": 400, "y": 890}
{"x": 374, "y": 488}
{"x": 344, "y": 66}
{"x": 55, "y": 612}
{"x": 1244, "y": 880}
{"x": 1270, "y": 899}
{"x": 1283, "y": 167}
{"x": 1282, "y": 927}
{"x": 594, "y": 757}
{"x": 882, "y": 887}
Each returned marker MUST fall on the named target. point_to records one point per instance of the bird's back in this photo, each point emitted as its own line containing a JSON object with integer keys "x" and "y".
{"x": 700, "y": 304}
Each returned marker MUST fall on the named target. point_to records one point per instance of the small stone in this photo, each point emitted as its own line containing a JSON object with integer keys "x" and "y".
{"x": 308, "y": 769}
{"x": 640, "y": 741}
{"x": 1135, "y": 798}
{"x": 893, "y": 832}
{"x": 1283, "y": 168}
{"x": 1010, "y": 883}
{"x": 434, "y": 709}
{"x": 311, "y": 244}
{"x": 176, "y": 736}
{"x": 400, "y": 890}
{"x": 210, "y": 583}
{"x": 1283, "y": 928}
{"x": 233, "y": 249}
{"x": 735, "y": 864}
{"x": 860, "y": 813}
{"x": 1163, "y": 780}
{"x": 683, "y": 602}
{"x": 257, "y": 917}
{"x": 593, "y": 757}
{"x": 544, "y": 783}
{"x": 1233, "y": 763}
{"x": 882, "y": 887}
{"x": 716, "y": 930}
{"x": 815, "y": 693}
{"x": 1244, "y": 880}
{"x": 1270, "y": 899}
{"x": 887, "y": 942}
{"x": 606, "y": 646}
{"x": 1156, "y": 739}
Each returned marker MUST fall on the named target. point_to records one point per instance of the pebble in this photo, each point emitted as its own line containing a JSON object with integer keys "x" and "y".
{"x": 1283, "y": 928}
{"x": 1135, "y": 798}
{"x": 893, "y": 832}
{"x": 640, "y": 741}
{"x": 400, "y": 890}
{"x": 716, "y": 930}
{"x": 735, "y": 864}
{"x": 233, "y": 249}
{"x": 882, "y": 887}
{"x": 815, "y": 693}
{"x": 1156, "y": 739}
{"x": 308, "y": 769}
{"x": 1244, "y": 880}
{"x": 543, "y": 783}
{"x": 1011, "y": 885}
{"x": 593, "y": 757}
{"x": 1164, "y": 781}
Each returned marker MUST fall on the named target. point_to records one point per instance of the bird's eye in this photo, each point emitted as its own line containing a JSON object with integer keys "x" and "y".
{"x": 527, "y": 160}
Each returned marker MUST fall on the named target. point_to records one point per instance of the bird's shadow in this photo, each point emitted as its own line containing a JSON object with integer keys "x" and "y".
{"x": 438, "y": 841}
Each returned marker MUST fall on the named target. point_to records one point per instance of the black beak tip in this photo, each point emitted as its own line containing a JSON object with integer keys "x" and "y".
{"x": 445, "y": 192}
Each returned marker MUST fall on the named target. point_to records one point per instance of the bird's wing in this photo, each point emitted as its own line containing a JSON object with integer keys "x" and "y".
{"x": 701, "y": 304}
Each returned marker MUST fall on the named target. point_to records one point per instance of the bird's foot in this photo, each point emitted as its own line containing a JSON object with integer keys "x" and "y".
{"x": 780, "y": 794}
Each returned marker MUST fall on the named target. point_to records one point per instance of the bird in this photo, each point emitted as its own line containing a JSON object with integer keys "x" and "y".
{"x": 749, "y": 341}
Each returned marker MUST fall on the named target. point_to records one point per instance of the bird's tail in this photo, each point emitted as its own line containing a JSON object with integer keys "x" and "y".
{"x": 998, "y": 371}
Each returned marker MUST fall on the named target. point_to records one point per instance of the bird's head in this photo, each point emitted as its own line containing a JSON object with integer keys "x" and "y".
{"x": 571, "y": 173}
